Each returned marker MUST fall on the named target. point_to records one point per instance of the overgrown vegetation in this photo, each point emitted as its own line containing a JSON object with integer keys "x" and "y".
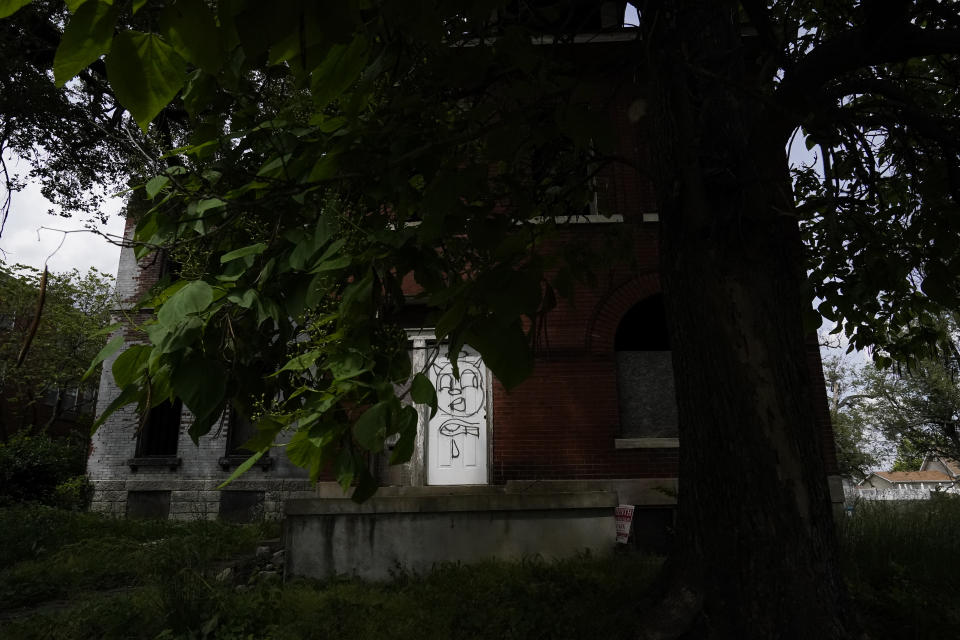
{"x": 913, "y": 406}
{"x": 900, "y": 560}
{"x": 47, "y": 392}
{"x": 75, "y": 576}
{"x": 43, "y": 469}
{"x": 170, "y": 569}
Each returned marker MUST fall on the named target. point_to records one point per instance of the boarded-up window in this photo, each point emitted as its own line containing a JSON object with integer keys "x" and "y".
{"x": 241, "y": 506}
{"x": 160, "y": 432}
{"x": 648, "y": 406}
{"x": 148, "y": 504}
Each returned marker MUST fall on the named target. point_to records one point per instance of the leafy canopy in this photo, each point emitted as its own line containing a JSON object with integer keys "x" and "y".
{"x": 73, "y": 328}
{"x": 338, "y": 150}
{"x": 340, "y": 154}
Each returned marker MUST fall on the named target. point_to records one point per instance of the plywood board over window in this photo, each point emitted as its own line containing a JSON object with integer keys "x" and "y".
{"x": 645, "y": 383}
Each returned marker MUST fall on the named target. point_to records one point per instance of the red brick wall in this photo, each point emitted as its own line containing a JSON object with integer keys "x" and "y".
{"x": 561, "y": 423}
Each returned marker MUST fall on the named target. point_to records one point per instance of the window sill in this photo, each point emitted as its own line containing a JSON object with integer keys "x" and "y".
{"x": 646, "y": 443}
{"x": 235, "y": 460}
{"x": 171, "y": 462}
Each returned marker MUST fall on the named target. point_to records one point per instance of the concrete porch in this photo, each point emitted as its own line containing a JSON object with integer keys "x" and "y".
{"x": 414, "y": 528}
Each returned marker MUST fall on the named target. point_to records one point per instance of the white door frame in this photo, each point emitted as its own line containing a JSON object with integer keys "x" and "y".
{"x": 424, "y": 462}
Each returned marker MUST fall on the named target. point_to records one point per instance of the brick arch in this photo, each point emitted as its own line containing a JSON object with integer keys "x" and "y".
{"x": 602, "y": 327}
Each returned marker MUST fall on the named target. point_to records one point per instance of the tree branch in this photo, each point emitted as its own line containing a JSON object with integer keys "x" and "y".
{"x": 859, "y": 49}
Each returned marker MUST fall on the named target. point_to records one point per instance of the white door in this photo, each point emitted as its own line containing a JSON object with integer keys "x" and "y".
{"x": 457, "y": 434}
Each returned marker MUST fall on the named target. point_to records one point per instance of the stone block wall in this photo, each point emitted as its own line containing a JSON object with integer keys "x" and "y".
{"x": 189, "y": 490}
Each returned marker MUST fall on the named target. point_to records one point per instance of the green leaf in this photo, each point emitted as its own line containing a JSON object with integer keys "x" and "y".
{"x": 333, "y": 265}
{"x": 145, "y": 72}
{"x": 128, "y": 396}
{"x": 241, "y": 469}
{"x": 131, "y": 364}
{"x": 371, "y": 429}
{"x": 201, "y": 426}
{"x": 201, "y": 384}
{"x": 366, "y": 486}
{"x": 180, "y": 336}
{"x": 403, "y": 449}
{"x": 423, "y": 392}
{"x": 324, "y": 169}
{"x": 246, "y": 299}
{"x": 108, "y": 350}
{"x": 302, "y": 252}
{"x": 155, "y": 184}
{"x": 9, "y": 7}
{"x": 251, "y": 250}
{"x": 504, "y": 350}
{"x": 190, "y": 27}
{"x": 357, "y": 295}
{"x": 345, "y": 468}
{"x": 209, "y": 203}
{"x": 301, "y": 450}
{"x": 449, "y": 320}
{"x": 339, "y": 69}
{"x": 334, "y": 247}
{"x": 267, "y": 430}
{"x": 86, "y": 38}
{"x": 193, "y": 298}
{"x": 348, "y": 366}
{"x": 301, "y": 362}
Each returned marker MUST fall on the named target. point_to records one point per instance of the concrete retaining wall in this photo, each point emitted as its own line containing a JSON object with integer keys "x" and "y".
{"x": 326, "y": 537}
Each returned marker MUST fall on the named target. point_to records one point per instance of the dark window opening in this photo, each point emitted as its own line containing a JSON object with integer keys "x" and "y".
{"x": 643, "y": 327}
{"x": 161, "y": 431}
{"x": 645, "y": 385}
{"x": 240, "y": 430}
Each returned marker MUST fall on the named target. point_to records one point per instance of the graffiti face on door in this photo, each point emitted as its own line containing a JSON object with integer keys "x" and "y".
{"x": 461, "y": 398}
{"x": 458, "y": 430}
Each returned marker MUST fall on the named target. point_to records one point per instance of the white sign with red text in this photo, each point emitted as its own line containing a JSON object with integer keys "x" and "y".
{"x": 624, "y": 517}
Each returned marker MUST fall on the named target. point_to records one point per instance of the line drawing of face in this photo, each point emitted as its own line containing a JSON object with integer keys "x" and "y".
{"x": 459, "y": 398}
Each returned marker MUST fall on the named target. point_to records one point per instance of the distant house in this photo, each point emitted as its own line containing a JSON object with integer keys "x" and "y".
{"x": 906, "y": 479}
{"x": 943, "y": 465}
{"x": 908, "y": 485}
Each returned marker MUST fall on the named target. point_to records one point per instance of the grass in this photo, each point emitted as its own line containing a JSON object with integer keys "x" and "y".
{"x": 47, "y": 554}
{"x": 902, "y": 563}
{"x": 75, "y": 576}
{"x": 67, "y": 575}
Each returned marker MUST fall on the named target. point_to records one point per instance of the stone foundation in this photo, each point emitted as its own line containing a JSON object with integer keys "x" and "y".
{"x": 198, "y": 499}
{"x": 430, "y": 525}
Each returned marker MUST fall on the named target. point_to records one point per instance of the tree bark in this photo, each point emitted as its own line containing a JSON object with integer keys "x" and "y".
{"x": 756, "y": 554}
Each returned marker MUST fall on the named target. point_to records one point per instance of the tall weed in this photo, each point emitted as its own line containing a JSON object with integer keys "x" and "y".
{"x": 901, "y": 561}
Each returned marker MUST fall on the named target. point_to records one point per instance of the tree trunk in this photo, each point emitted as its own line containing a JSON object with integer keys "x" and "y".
{"x": 757, "y": 554}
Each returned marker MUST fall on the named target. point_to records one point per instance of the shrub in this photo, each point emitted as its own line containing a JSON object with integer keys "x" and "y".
{"x": 33, "y": 467}
{"x": 73, "y": 494}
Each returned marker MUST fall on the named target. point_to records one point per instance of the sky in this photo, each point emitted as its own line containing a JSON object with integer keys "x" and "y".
{"x": 23, "y": 241}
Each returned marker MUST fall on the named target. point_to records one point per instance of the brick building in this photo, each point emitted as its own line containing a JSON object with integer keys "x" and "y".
{"x": 598, "y": 411}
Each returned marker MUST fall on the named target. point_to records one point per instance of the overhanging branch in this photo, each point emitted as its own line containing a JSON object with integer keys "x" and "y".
{"x": 860, "y": 49}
